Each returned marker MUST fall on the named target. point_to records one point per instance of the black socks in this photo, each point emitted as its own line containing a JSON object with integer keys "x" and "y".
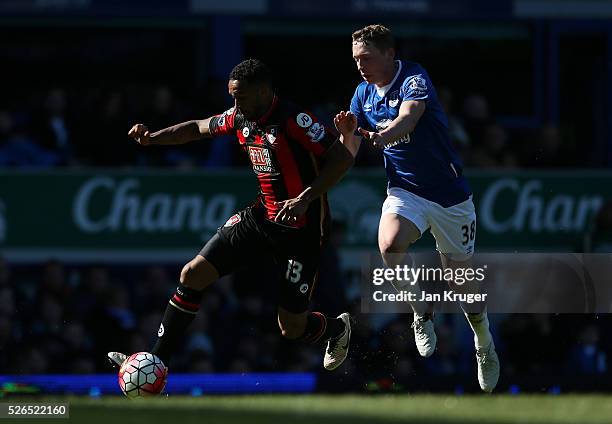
{"x": 319, "y": 327}
{"x": 181, "y": 310}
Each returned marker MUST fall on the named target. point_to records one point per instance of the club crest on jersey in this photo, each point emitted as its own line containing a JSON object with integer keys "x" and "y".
{"x": 234, "y": 219}
{"x": 394, "y": 99}
{"x": 304, "y": 120}
{"x": 271, "y": 134}
{"x": 418, "y": 85}
{"x": 316, "y": 132}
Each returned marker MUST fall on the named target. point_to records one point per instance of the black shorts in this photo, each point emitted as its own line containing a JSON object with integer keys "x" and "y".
{"x": 248, "y": 235}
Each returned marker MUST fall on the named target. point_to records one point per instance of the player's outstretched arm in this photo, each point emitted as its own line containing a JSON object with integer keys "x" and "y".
{"x": 346, "y": 124}
{"x": 338, "y": 160}
{"x": 177, "y": 134}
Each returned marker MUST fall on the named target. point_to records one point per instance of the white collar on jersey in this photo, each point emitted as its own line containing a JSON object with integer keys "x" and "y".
{"x": 383, "y": 90}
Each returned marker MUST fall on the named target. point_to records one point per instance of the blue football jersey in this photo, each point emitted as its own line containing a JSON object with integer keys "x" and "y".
{"x": 425, "y": 163}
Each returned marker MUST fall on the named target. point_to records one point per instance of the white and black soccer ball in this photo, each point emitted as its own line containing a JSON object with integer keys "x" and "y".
{"x": 142, "y": 374}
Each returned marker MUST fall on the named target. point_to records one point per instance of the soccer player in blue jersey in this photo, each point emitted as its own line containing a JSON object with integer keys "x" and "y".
{"x": 397, "y": 109}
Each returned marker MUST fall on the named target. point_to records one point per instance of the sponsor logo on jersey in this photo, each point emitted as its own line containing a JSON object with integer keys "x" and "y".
{"x": 261, "y": 160}
{"x": 304, "y": 120}
{"x": 316, "y": 132}
{"x": 234, "y": 219}
{"x": 404, "y": 139}
{"x": 382, "y": 124}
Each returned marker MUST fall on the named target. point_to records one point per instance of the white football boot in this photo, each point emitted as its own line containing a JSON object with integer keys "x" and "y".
{"x": 117, "y": 358}
{"x": 488, "y": 367}
{"x": 424, "y": 335}
{"x": 337, "y": 349}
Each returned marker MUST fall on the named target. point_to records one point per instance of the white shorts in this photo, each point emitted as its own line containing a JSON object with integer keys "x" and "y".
{"x": 454, "y": 228}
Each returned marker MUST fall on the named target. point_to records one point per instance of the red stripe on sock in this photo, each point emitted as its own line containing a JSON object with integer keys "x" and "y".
{"x": 323, "y": 320}
{"x": 185, "y": 304}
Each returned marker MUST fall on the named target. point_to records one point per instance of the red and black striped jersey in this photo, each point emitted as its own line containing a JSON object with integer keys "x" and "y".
{"x": 285, "y": 147}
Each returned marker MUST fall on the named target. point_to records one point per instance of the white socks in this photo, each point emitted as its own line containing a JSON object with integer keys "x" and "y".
{"x": 480, "y": 326}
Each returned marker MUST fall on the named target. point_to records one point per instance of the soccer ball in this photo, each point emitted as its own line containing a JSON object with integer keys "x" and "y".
{"x": 142, "y": 374}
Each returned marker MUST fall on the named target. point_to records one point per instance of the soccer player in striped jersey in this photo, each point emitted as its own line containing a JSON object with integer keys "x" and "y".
{"x": 296, "y": 160}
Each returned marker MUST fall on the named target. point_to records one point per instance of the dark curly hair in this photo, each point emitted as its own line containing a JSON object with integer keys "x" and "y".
{"x": 377, "y": 35}
{"x": 251, "y": 71}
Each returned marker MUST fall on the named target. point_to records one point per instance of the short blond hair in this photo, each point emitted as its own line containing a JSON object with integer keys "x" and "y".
{"x": 376, "y": 35}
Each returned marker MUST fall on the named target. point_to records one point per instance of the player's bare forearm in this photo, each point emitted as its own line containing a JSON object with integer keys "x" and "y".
{"x": 181, "y": 133}
{"x": 351, "y": 142}
{"x": 346, "y": 124}
{"x": 338, "y": 160}
{"x": 409, "y": 114}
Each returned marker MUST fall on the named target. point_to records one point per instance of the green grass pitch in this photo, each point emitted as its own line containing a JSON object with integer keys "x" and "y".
{"x": 350, "y": 409}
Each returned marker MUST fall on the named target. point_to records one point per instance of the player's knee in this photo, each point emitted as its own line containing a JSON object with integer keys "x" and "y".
{"x": 194, "y": 276}
{"x": 291, "y": 332}
{"x": 292, "y": 329}
{"x": 396, "y": 234}
{"x": 389, "y": 246}
{"x": 187, "y": 276}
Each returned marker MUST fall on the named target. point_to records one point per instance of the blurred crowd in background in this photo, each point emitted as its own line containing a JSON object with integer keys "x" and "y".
{"x": 72, "y": 93}
{"x": 56, "y": 318}
{"x": 69, "y": 128}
